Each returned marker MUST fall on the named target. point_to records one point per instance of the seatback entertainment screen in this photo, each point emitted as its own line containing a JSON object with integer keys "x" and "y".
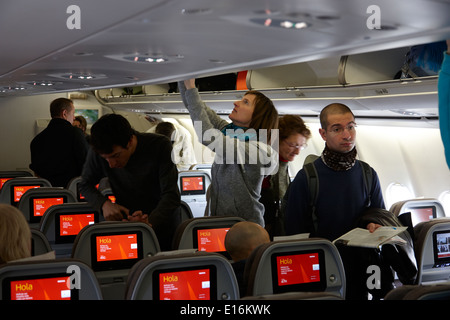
{"x": 42, "y": 287}
{"x": 191, "y": 185}
{"x": 191, "y": 283}
{"x": 68, "y": 225}
{"x": 40, "y": 205}
{"x": 17, "y": 192}
{"x": 110, "y": 251}
{"x": 298, "y": 271}
{"x": 210, "y": 239}
{"x": 422, "y": 214}
{"x": 441, "y": 248}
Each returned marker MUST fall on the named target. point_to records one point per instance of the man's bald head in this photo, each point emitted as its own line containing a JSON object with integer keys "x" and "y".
{"x": 243, "y": 237}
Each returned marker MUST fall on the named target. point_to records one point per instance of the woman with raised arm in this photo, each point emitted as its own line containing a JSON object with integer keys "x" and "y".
{"x": 243, "y": 151}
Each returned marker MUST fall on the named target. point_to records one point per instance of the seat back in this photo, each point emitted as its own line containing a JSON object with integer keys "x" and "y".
{"x": 182, "y": 276}
{"x": 204, "y": 233}
{"x": 432, "y": 249}
{"x": 39, "y": 243}
{"x": 72, "y": 186}
{"x": 13, "y": 189}
{"x": 111, "y": 248}
{"x": 418, "y": 210}
{"x": 35, "y": 202}
{"x": 202, "y": 166}
{"x": 8, "y": 175}
{"x": 185, "y": 212}
{"x": 61, "y": 224}
{"x": 307, "y": 265}
{"x": 193, "y": 185}
{"x": 48, "y": 280}
{"x": 439, "y": 291}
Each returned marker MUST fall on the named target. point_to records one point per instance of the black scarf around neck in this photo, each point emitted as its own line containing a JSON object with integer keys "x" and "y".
{"x": 339, "y": 161}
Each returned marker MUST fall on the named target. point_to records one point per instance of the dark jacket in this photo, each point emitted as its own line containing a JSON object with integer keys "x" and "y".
{"x": 148, "y": 182}
{"x": 58, "y": 152}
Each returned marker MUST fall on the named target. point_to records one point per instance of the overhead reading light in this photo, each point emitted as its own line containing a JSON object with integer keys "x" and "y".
{"x": 146, "y": 58}
{"x": 281, "y": 23}
{"x": 78, "y": 76}
{"x": 41, "y": 83}
{"x": 11, "y": 89}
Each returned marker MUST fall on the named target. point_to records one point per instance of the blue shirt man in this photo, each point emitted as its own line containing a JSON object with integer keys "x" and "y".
{"x": 342, "y": 195}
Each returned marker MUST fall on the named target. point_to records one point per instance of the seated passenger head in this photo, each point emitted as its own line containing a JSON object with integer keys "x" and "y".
{"x": 243, "y": 237}
{"x": 62, "y": 108}
{"x": 255, "y": 111}
{"x": 114, "y": 139}
{"x": 165, "y": 128}
{"x": 338, "y": 127}
{"x": 293, "y": 136}
{"x": 15, "y": 234}
{"x": 80, "y": 122}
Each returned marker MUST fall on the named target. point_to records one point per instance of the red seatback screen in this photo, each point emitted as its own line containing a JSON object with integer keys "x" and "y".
{"x": 212, "y": 240}
{"x": 40, "y": 289}
{"x": 422, "y": 214}
{"x": 41, "y": 205}
{"x": 71, "y": 224}
{"x": 20, "y": 190}
{"x": 185, "y": 285}
{"x": 117, "y": 247}
{"x": 192, "y": 183}
{"x": 298, "y": 269}
{"x": 2, "y": 182}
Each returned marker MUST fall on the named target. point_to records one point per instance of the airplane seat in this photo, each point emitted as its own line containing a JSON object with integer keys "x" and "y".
{"x": 35, "y": 202}
{"x": 13, "y": 189}
{"x": 62, "y": 222}
{"x": 182, "y": 276}
{"x": 303, "y": 265}
{"x": 49, "y": 280}
{"x": 204, "y": 233}
{"x": 109, "y": 193}
{"x": 193, "y": 185}
{"x": 413, "y": 211}
{"x": 111, "y": 248}
{"x": 439, "y": 291}
{"x": 296, "y": 296}
{"x": 432, "y": 249}
{"x": 185, "y": 212}
{"x": 11, "y": 174}
{"x": 39, "y": 243}
{"x": 202, "y": 166}
{"x": 72, "y": 186}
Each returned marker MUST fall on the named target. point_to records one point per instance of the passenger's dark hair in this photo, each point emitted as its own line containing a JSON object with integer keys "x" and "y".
{"x": 292, "y": 124}
{"x": 58, "y": 105}
{"x": 165, "y": 128}
{"x": 109, "y": 131}
{"x": 333, "y": 108}
{"x": 265, "y": 115}
{"x": 82, "y": 121}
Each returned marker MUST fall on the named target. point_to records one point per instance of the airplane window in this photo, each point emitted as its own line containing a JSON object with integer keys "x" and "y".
{"x": 444, "y": 198}
{"x": 397, "y": 192}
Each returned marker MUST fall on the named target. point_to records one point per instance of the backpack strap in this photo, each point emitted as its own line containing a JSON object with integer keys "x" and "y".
{"x": 313, "y": 184}
{"x": 367, "y": 176}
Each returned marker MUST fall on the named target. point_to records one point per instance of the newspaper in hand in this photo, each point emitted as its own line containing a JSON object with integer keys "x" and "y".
{"x": 359, "y": 237}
